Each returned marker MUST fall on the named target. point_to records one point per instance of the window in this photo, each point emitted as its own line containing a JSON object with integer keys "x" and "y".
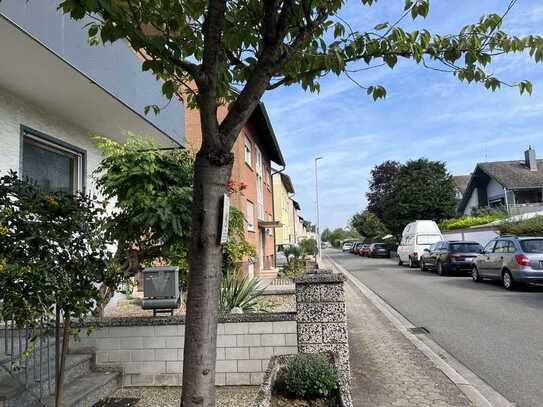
{"x": 248, "y": 151}
{"x": 51, "y": 164}
{"x": 532, "y": 245}
{"x": 489, "y": 246}
{"x": 428, "y": 239}
{"x": 250, "y": 216}
{"x": 466, "y": 248}
{"x": 259, "y": 185}
{"x": 504, "y": 246}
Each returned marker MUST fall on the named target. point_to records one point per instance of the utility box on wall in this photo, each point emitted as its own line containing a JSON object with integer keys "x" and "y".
{"x": 161, "y": 288}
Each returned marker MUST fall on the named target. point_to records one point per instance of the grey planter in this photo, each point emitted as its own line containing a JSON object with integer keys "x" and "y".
{"x": 264, "y": 395}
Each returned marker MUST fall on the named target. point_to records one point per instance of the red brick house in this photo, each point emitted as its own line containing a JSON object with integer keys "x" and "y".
{"x": 254, "y": 150}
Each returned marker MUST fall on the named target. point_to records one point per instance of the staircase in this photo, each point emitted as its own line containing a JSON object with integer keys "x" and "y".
{"x": 30, "y": 382}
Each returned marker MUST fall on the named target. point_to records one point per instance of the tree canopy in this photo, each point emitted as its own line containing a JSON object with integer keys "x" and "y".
{"x": 369, "y": 225}
{"x": 423, "y": 189}
{"x": 381, "y": 184}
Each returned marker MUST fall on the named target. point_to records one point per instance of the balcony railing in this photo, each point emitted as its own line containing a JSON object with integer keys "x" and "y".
{"x": 522, "y": 209}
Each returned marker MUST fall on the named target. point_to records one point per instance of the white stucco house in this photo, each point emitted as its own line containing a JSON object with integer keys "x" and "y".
{"x": 56, "y": 91}
{"x": 514, "y": 185}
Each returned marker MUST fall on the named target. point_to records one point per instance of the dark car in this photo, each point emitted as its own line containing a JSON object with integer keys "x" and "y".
{"x": 450, "y": 256}
{"x": 378, "y": 250}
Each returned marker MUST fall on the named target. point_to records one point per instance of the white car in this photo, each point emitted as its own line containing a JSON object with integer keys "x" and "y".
{"x": 416, "y": 237}
{"x": 347, "y": 246}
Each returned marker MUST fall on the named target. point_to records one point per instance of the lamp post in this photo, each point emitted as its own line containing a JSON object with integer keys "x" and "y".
{"x": 317, "y": 210}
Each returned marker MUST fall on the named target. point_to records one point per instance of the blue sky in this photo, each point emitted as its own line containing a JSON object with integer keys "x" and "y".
{"x": 426, "y": 113}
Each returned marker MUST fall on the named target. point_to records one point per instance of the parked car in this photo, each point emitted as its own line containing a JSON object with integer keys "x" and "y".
{"x": 356, "y": 247}
{"x": 364, "y": 250}
{"x": 511, "y": 260}
{"x": 450, "y": 256}
{"x": 347, "y": 246}
{"x": 378, "y": 250}
{"x": 416, "y": 237}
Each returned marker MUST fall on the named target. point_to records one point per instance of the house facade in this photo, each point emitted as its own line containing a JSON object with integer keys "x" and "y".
{"x": 515, "y": 185}
{"x": 285, "y": 212}
{"x": 254, "y": 151}
{"x": 56, "y": 91}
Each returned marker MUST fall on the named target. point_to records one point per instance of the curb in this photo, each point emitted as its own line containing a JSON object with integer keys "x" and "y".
{"x": 473, "y": 387}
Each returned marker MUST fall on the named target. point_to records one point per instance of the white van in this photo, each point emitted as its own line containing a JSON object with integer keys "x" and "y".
{"x": 416, "y": 237}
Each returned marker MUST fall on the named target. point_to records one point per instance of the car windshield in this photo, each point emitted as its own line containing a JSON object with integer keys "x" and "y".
{"x": 428, "y": 239}
{"x": 532, "y": 245}
{"x": 466, "y": 247}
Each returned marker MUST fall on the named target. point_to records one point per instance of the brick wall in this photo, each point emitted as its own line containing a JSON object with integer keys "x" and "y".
{"x": 153, "y": 355}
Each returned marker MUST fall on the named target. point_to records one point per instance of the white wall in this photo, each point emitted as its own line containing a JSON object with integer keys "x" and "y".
{"x": 473, "y": 202}
{"x": 494, "y": 189}
{"x": 479, "y": 236}
{"x": 14, "y": 112}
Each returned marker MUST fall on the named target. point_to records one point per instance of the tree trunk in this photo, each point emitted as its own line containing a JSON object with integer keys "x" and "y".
{"x": 59, "y": 391}
{"x": 212, "y": 171}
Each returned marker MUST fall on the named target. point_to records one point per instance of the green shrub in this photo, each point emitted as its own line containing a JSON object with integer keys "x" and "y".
{"x": 468, "y": 221}
{"x": 238, "y": 290}
{"x": 295, "y": 267}
{"x": 309, "y": 246}
{"x": 532, "y": 226}
{"x": 310, "y": 376}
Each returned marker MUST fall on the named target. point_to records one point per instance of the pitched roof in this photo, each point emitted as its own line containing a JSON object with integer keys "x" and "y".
{"x": 262, "y": 121}
{"x": 287, "y": 182}
{"x": 514, "y": 174}
{"x": 461, "y": 182}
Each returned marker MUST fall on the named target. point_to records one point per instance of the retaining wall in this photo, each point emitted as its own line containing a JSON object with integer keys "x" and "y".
{"x": 150, "y": 350}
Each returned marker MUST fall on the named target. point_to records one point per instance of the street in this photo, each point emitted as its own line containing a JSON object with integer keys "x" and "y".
{"x": 495, "y": 333}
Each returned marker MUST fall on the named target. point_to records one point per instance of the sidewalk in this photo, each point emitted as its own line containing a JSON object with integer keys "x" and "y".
{"x": 387, "y": 370}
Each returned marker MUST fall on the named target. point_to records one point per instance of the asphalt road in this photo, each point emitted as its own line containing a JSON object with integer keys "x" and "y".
{"x": 496, "y": 333}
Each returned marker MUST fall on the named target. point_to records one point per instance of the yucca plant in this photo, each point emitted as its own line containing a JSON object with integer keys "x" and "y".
{"x": 238, "y": 290}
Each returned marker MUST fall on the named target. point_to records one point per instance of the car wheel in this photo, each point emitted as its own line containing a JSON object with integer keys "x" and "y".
{"x": 422, "y": 266}
{"x": 440, "y": 269}
{"x": 411, "y": 263}
{"x": 507, "y": 281}
{"x": 475, "y": 276}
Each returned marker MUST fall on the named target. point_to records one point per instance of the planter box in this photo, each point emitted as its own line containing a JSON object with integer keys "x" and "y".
{"x": 264, "y": 396}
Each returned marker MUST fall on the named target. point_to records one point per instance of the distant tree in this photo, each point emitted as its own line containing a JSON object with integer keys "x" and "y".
{"x": 423, "y": 189}
{"x": 339, "y": 234}
{"x": 325, "y": 235}
{"x": 382, "y": 178}
{"x": 369, "y": 225}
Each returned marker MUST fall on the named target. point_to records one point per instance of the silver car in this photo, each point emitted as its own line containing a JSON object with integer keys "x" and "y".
{"x": 512, "y": 260}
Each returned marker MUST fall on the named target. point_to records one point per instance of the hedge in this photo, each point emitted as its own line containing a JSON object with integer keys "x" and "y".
{"x": 532, "y": 226}
{"x": 468, "y": 221}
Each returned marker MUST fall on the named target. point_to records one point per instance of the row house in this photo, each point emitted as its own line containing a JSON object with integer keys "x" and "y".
{"x": 254, "y": 150}
{"x": 285, "y": 210}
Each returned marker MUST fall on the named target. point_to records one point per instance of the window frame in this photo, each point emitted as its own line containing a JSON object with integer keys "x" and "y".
{"x": 250, "y": 222}
{"x": 48, "y": 142}
{"x": 248, "y": 151}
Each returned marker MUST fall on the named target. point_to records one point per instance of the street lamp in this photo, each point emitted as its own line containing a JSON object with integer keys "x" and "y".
{"x": 317, "y": 210}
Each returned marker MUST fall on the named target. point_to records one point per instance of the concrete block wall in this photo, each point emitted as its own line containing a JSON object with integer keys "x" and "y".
{"x": 152, "y": 355}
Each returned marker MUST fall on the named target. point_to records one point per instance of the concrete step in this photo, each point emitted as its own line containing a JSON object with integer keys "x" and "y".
{"x": 77, "y": 365}
{"x": 88, "y": 389}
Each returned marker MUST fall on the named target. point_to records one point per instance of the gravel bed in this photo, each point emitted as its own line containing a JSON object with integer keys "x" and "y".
{"x": 227, "y": 396}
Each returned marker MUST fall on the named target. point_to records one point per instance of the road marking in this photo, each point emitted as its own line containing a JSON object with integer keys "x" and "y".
{"x": 474, "y": 388}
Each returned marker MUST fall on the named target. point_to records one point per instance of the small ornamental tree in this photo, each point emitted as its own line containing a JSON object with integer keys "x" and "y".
{"x": 234, "y": 52}
{"x": 54, "y": 259}
{"x": 380, "y": 188}
{"x": 151, "y": 194}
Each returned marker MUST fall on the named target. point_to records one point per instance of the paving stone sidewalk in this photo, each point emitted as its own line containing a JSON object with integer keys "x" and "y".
{"x": 387, "y": 369}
